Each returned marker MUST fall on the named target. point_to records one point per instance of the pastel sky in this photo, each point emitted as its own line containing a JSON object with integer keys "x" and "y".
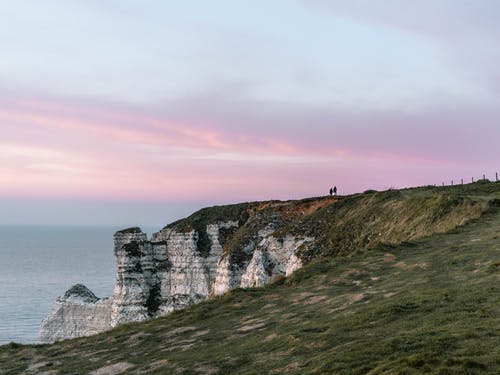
{"x": 139, "y": 111}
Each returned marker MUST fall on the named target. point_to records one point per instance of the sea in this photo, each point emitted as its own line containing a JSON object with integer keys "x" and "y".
{"x": 38, "y": 264}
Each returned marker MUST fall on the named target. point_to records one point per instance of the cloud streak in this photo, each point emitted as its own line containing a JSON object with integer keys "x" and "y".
{"x": 247, "y": 151}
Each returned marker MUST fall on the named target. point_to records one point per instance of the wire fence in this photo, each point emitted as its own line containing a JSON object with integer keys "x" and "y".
{"x": 472, "y": 180}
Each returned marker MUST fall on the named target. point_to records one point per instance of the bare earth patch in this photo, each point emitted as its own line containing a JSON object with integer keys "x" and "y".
{"x": 206, "y": 370}
{"x": 91, "y": 355}
{"x": 351, "y": 298}
{"x": 251, "y": 327}
{"x": 36, "y": 366}
{"x": 272, "y": 297}
{"x": 114, "y": 369}
{"x": 270, "y": 337}
{"x": 316, "y": 344}
{"x": 388, "y": 257}
{"x": 354, "y": 271}
{"x": 321, "y": 287}
{"x": 201, "y": 333}
{"x": 180, "y": 330}
{"x": 356, "y": 297}
{"x": 403, "y": 265}
{"x": 422, "y": 265}
{"x": 183, "y": 347}
{"x": 158, "y": 365}
{"x": 251, "y": 321}
{"x": 301, "y": 296}
{"x": 336, "y": 280}
{"x": 288, "y": 368}
{"x": 315, "y": 299}
{"x": 135, "y": 338}
{"x": 269, "y": 305}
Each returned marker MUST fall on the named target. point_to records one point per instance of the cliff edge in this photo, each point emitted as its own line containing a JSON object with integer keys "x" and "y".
{"x": 248, "y": 245}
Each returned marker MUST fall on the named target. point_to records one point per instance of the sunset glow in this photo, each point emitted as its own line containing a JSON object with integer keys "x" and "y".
{"x": 151, "y": 101}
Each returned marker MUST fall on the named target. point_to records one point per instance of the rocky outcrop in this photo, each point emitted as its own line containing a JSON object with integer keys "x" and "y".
{"x": 78, "y": 313}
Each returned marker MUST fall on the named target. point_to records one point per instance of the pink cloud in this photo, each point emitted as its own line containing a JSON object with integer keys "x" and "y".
{"x": 133, "y": 127}
{"x": 70, "y": 149}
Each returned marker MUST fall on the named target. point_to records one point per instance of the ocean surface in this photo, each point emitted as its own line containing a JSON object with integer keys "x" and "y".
{"x": 37, "y": 264}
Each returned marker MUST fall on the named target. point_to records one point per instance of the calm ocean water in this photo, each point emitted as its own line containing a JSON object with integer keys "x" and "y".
{"x": 38, "y": 264}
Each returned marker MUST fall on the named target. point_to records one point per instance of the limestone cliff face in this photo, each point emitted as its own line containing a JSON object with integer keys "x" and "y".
{"x": 269, "y": 257}
{"x": 184, "y": 263}
{"x": 167, "y": 273}
{"x": 134, "y": 266}
{"x": 171, "y": 271}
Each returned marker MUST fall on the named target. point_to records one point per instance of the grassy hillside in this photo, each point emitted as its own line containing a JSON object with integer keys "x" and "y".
{"x": 344, "y": 225}
{"x": 419, "y": 296}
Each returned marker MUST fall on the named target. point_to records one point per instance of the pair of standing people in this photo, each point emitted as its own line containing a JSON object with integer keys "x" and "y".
{"x": 333, "y": 191}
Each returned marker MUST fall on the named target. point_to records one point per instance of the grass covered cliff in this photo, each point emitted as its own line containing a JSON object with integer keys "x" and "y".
{"x": 402, "y": 281}
{"x": 346, "y": 225}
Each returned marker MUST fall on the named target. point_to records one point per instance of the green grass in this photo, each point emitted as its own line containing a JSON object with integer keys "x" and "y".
{"x": 428, "y": 305}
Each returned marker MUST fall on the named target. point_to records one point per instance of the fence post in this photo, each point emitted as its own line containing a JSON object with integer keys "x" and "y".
{"x": 472, "y": 179}
{"x": 462, "y": 181}
{"x": 451, "y": 182}
{"x": 496, "y": 177}
{"x": 484, "y": 177}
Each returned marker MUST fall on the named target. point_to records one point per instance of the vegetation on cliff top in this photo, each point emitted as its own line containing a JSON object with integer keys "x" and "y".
{"x": 429, "y": 305}
{"x": 343, "y": 225}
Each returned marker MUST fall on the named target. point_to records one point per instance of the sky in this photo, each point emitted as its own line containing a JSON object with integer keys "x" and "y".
{"x": 137, "y": 112}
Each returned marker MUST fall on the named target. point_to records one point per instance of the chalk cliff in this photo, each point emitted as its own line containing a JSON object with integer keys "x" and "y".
{"x": 207, "y": 254}
{"x": 173, "y": 269}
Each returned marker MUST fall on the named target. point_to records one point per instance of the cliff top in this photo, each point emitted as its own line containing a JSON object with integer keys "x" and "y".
{"x": 345, "y": 224}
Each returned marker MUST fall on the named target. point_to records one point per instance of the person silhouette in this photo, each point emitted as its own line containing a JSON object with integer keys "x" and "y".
{"x": 334, "y": 190}
{"x": 331, "y": 191}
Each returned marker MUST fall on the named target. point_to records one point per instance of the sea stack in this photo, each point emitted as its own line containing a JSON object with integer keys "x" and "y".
{"x": 77, "y": 313}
